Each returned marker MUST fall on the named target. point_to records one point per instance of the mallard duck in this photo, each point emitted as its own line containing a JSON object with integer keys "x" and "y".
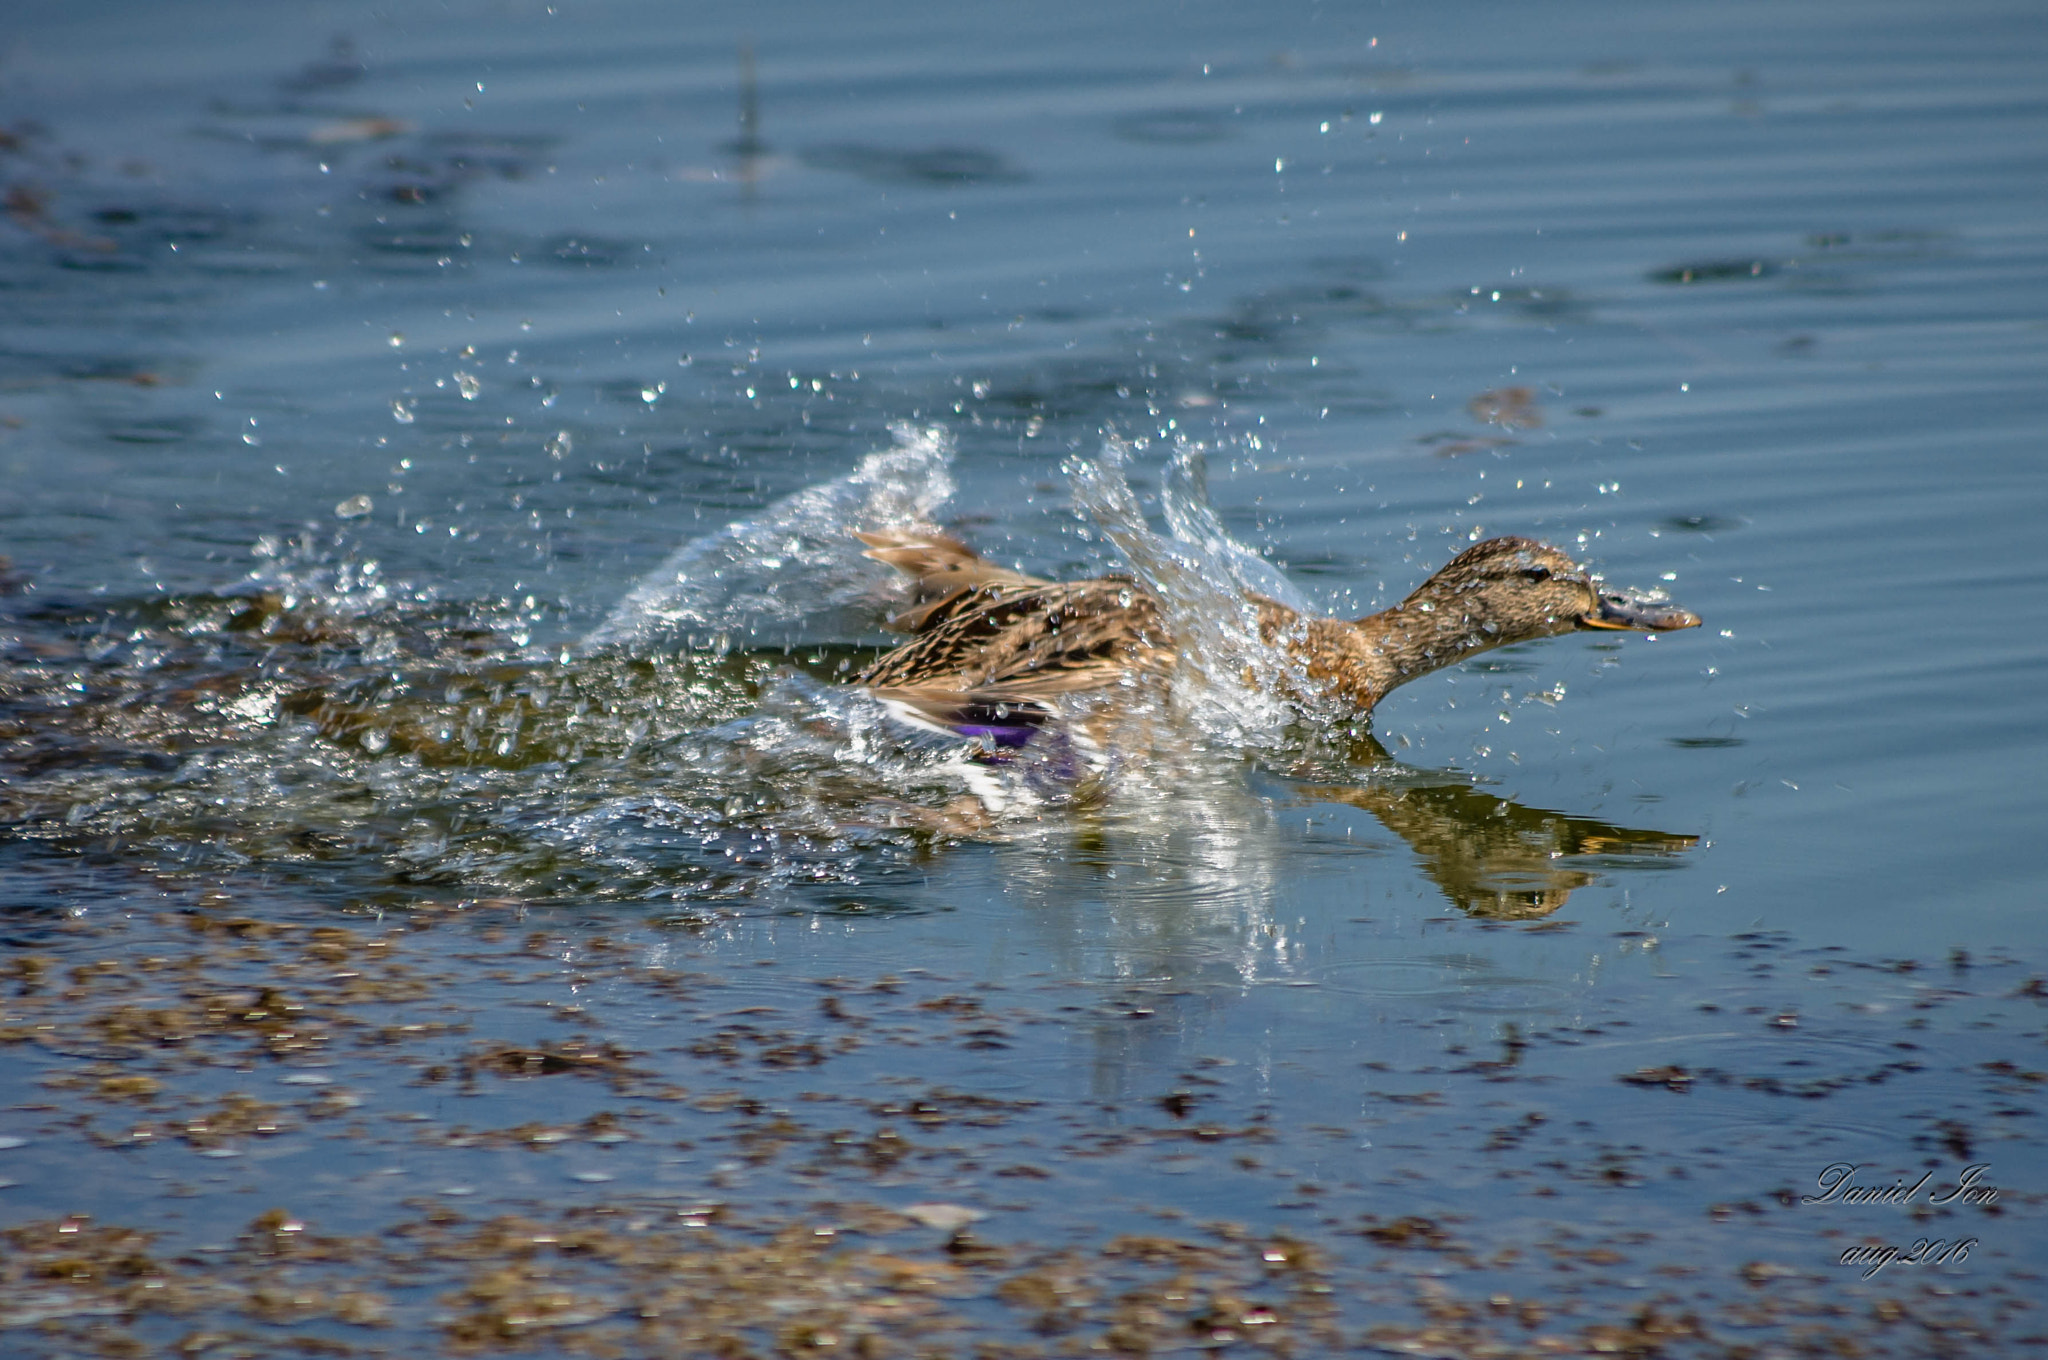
{"x": 993, "y": 651}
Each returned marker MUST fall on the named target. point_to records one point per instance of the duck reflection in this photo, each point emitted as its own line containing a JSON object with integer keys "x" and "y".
{"x": 1184, "y": 883}
{"x": 1491, "y": 857}
{"x": 1208, "y": 848}
{"x": 1178, "y": 912}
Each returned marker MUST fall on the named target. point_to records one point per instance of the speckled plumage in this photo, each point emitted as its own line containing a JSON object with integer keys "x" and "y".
{"x": 993, "y": 645}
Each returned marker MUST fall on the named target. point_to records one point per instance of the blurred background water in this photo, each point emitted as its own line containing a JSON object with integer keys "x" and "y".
{"x": 356, "y": 362}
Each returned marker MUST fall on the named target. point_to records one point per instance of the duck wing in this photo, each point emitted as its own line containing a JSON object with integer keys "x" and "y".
{"x": 940, "y": 567}
{"x": 936, "y": 613}
{"x": 1001, "y": 716}
{"x": 1013, "y": 644}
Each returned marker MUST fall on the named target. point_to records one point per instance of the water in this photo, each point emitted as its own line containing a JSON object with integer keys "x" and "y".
{"x": 386, "y": 700}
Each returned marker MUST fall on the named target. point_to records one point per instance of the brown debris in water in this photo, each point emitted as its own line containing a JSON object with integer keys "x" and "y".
{"x": 1511, "y": 408}
{"x": 28, "y": 206}
{"x": 573, "y": 1055}
{"x": 1669, "y": 1076}
{"x": 174, "y": 1030}
{"x": 1410, "y": 1232}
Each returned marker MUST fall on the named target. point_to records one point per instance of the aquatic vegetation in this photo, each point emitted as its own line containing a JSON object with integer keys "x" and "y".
{"x": 738, "y": 1158}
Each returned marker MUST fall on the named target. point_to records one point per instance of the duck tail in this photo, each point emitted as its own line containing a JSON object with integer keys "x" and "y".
{"x": 939, "y": 563}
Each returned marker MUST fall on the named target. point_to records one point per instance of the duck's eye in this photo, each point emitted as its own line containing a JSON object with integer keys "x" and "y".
{"x": 1536, "y": 574}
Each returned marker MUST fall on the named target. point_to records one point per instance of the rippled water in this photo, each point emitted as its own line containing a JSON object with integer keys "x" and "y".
{"x": 429, "y": 447}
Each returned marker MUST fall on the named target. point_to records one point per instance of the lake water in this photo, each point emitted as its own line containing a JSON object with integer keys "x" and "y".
{"x": 445, "y": 909}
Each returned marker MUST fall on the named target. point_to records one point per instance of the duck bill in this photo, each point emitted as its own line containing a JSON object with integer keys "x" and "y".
{"x": 1617, "y": 611}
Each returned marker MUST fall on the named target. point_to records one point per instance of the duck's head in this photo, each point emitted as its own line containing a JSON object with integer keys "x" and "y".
{"x": 1515, "y": 589}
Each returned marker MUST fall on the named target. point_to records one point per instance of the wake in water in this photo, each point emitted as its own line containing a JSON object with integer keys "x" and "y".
{"x": 361, "y": 740}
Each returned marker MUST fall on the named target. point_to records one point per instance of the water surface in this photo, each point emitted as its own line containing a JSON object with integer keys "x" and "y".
{"x": 403, "y": 909}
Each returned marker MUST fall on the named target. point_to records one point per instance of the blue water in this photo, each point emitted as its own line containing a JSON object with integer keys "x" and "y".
{"x": 526, "y": 280}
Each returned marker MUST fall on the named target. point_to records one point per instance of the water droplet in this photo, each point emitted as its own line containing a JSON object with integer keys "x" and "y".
{"x": 375, "y": 740}
{"x": 401, "y": 410}
{"x": 397, "y": 340}
{"x": 469, "y": 385}
{"x": 355, "y": 507}
{"x": 561, "y": 445}
{"x": 944, "y": 1217}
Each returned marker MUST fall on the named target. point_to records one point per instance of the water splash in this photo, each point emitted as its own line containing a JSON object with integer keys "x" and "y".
{"x": 1184, "y": 499}
{"x": 324, "y": 709}
{"x": 765, "y": 576}
{"x": 1226, "y": 674}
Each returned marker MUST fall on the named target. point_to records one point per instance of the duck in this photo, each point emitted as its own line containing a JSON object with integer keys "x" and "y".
{"x": 994, "y": 654}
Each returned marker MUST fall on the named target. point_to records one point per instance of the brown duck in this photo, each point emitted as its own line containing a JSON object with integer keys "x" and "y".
{"x": 994, "y": 651}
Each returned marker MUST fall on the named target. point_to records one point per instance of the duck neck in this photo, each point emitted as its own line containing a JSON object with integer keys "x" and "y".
{"x": 1360, "y": 662}
{"x": 1336, "y": 657}
{"x": 1416, "y": 637}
